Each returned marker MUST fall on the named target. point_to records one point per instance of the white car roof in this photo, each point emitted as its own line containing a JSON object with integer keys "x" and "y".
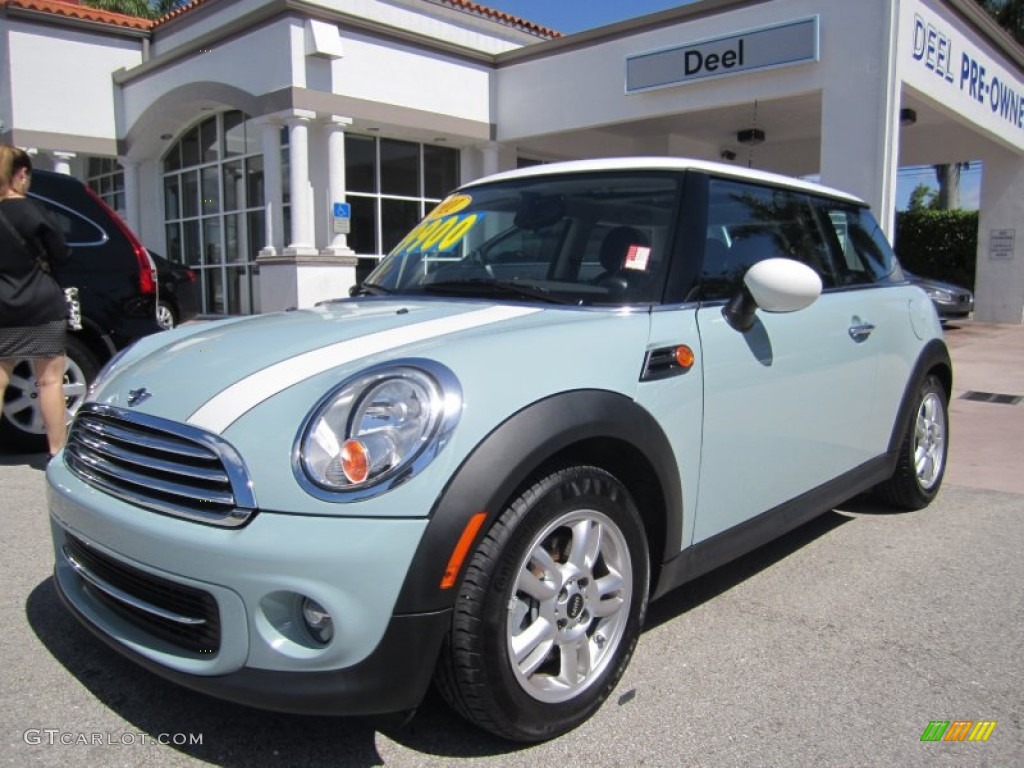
{"x": 666, "y": 164}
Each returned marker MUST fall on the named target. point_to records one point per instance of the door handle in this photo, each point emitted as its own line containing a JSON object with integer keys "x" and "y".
{"x": 861, "y": 331}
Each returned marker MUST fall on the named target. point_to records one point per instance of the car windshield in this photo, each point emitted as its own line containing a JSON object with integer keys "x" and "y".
{"x": 600, "y": 238}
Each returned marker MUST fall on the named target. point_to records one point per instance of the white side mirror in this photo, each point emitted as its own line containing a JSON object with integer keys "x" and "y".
{"x": 782, "y": 285}
{"x": 773, "y": 285}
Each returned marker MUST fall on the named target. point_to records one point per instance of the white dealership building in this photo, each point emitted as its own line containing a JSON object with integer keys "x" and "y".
{"x": 281, "y": 146}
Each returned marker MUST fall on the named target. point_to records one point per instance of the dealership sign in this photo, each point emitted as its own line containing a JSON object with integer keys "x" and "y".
{"x": 795, "y": 42}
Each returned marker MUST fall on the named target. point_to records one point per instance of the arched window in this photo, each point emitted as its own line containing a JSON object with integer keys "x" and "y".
{"x": 214, "y": 209}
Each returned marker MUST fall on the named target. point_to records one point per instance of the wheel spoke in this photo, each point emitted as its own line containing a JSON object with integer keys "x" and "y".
{"x": 531, "y": 646}
{"x": 575, "y": 663}
{"x": 538, "y": 589}
{"x": 608, "y": 591}
{"x": 18, "y": 404}
{"x": 586, "y": 545}
{"x": 542, "y": 559}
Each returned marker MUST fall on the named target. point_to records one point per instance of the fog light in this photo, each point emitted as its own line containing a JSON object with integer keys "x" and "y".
{"x": 318, "y": 621}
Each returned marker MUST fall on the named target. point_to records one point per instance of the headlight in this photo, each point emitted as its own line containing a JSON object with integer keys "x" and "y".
{"x": 378, "y": 429}
{"x": 937, "y": 294}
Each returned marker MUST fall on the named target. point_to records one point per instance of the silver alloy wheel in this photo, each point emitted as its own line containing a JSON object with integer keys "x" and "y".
{"x": 929, "y": 441}
{"x": 22, "y": 405}
{"x": 570, "y": 605}
{"x": 164, "y": 316}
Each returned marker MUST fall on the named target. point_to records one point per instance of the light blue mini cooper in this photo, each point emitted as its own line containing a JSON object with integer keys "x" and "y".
{"x": 567, "y": 391}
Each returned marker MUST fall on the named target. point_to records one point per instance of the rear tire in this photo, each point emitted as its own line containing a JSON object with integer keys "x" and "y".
{"x": 21, "y": 426}
{"x": 550, "y": 608}
{"x": 922, "y": 454}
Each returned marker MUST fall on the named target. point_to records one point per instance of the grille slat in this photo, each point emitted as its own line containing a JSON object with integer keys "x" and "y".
{"x": 161, "y": 465}
{"x": 181, "y": 615}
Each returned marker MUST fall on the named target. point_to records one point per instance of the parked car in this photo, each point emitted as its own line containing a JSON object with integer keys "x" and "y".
{"x": 569, "y": 390}
{"x": 116, "y": 288}
{"x": 951, "y": 301}
{"x": 178, "y": 292}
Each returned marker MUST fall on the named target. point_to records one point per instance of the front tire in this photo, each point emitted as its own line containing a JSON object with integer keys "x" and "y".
{"x": 550, "y": 608}
{"x": 922, "y": 456}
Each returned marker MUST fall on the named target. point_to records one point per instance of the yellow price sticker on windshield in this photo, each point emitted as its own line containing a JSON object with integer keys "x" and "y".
{"x": 450, "y": 205}
{"x": 439, "y": 234}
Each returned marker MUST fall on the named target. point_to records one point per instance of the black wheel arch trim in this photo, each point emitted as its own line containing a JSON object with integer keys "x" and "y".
{"x": 934, "y": 358}
{"x": 511, "y": 455}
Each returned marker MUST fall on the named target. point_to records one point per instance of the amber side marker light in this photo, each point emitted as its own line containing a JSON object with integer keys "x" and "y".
{"x": 684, "y": 356}
{"x": 451, "y": 573}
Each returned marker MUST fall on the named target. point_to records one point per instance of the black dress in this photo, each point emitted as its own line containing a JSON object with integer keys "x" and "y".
{"x": 32, "y": 308}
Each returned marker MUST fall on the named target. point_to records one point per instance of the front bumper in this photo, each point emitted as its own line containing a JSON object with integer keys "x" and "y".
{"x": 118, "y": 566}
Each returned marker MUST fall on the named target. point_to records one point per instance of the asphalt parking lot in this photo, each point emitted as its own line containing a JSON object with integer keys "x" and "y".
{"x": 836, "y": 645}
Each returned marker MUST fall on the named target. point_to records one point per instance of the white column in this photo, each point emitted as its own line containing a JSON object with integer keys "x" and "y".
{"x": 301, "y": 192}
{"x": 999, "y": 275}
{"x": 62, "y": 162}
{"x": 273, "y": 195}
{"x": 335, "y": 129}
{"x": 491, "y": 158}
{"x": 131, "y": 193}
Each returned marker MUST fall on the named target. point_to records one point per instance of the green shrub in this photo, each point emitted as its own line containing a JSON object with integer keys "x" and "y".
{"x": 938, "y": 244}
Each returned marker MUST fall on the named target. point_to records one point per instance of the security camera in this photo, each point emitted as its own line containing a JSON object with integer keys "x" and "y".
{"x": 728, "y": 154}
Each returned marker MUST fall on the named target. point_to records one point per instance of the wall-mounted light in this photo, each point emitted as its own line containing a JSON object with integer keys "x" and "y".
{"x": 750, "y": 136}
{"x": 166, "y": 136}
{"x": 908, "y": 116}
{"x": 727, "y": 154}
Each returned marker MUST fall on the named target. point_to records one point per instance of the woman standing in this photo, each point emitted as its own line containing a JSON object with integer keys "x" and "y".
{"x": 32, "y": 307}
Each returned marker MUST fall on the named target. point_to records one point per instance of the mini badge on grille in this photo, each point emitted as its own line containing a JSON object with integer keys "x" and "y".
{"x": 136, "y": 396}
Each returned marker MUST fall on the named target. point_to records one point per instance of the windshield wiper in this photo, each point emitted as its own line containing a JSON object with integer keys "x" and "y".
{"x": 493, "y": 287}
{"x": 371, "y": 289}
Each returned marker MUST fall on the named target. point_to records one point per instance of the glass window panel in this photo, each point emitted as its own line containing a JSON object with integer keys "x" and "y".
{"x": 212, "y": 253}
{"x": 208, "y": 140}
{"x": 286, "y": 176}
{"x": 213, "y": 285}
{"x": 254, "y": 292}
{"x": 253, "y": 136}
{"x": 95, "y": 166}
{"x": 360, "y": 163}
{"x": 190, "y": 193}
{"x": 286, "y": 214}
{"x": 257, "y": 234}
{"x": 398, "y": 217}
{"x": 172, "y": 160}
{"x": 234, "y": 186}
{"x": 190, "y": 148}
{"x": 236, "y": 248}
{"x": 173, "y": 242}
{"x": 399, "y": 168}
{"x": 211, "y": 190}
{"x": 237, "y": 285}
{"x": 440, "y": 171}
{"x": 254, "y": 181}
{"x": 104, "y": 185}
{"x": 190, "y": 243}
{"x": 172, "y": 197}
{"x": 363, "y": 237}
{"x": 234, "y": 134}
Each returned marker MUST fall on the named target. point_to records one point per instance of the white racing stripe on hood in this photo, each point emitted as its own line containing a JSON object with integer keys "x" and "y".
{"x": 222, "y": 410}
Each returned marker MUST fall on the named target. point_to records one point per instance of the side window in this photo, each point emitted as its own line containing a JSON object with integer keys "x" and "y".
{"x": 77, "y": 230}
{"x": 862, "y": 254}
{"x": 749, "y": 223}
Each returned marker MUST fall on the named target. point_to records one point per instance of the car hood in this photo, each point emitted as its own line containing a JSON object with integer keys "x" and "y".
{"x": 210, "y": 374}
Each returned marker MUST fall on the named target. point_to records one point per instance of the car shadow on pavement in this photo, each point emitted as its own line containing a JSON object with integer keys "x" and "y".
{"x": 232, "y": 734}
{"x": 34, "y": 460}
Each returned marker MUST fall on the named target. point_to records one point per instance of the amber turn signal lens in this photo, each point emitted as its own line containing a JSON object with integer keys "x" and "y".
{"x": 684, "y": 356}
{"x": 355, "y": 462}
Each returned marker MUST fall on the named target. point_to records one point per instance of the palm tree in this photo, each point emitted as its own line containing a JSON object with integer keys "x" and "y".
{"x": 1009, "y": 14}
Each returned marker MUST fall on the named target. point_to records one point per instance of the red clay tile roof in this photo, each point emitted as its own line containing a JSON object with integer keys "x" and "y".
{"x": 73, "y": 10}
{"x": 501, "y": 16}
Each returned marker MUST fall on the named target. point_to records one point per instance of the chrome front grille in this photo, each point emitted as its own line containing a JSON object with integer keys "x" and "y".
{"x": 183, "y": 616}
{"x": 161, "y": 465}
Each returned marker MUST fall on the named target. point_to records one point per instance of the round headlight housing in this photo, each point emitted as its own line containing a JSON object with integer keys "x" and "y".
{"x": 376, "y": 430}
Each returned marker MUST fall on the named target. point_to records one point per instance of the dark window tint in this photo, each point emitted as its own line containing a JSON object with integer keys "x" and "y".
{"x": 748, "y": 223}
{"x": 863, "y": 254}
{"x": 399, "y": 168}
{"x": 440, "y": 170}
{"x": 76, "y": 229}
{"x": 360, "y": 164}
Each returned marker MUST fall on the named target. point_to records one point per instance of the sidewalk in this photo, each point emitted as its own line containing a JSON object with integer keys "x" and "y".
{"x": 985, "y": 437}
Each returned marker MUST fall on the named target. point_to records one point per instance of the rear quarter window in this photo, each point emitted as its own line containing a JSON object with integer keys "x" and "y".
{"x": 77, "y": 230}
